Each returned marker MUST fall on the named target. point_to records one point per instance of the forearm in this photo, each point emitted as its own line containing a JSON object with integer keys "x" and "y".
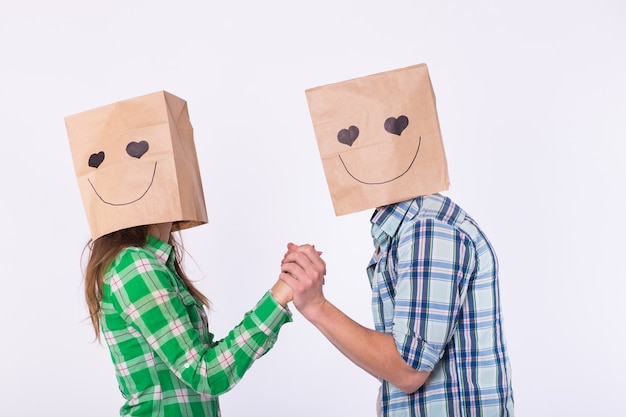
{"x": 373, "y": 351}
{"x": 221, "y": 366}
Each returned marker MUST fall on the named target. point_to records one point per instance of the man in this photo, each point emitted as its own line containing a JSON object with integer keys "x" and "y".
{"x": 438, "y": 345}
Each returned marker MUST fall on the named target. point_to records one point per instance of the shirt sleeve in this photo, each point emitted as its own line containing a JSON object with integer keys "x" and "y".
{"x": 434, "y": 264}
{"x": 146, "y": 299}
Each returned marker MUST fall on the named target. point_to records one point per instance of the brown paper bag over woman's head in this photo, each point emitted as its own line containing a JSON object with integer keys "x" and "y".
{"x": 379, "y": 139}
{"x": 136, "y": 164}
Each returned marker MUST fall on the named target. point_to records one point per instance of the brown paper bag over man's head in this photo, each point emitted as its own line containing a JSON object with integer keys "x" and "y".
{"x": 379, "y": 139}
{"x": 136, "y": 164}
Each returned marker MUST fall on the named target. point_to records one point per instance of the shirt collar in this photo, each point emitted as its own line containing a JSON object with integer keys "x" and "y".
{"x": 387, "y": 219}
{"x": 163, "y": 251}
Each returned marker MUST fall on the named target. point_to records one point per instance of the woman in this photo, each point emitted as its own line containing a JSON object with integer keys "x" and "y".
{"x": 152, "y": 318}
{"x": 136, "y": 165}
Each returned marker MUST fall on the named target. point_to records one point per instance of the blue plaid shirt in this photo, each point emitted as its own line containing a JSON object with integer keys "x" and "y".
{"x": 434, "y": 279}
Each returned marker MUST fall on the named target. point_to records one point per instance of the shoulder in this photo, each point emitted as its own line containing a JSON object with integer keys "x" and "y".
{"x": 134, "y": 263}
{"x": 438, "y": 208}
{"x": 433, "y": 212}
{"x": 135, "y": 273}
{"x": 132, "y": 256}
{"x": 434, "y": 220}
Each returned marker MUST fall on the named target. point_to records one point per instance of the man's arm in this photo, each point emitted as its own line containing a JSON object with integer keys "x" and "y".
{"x": 373, "y": 351}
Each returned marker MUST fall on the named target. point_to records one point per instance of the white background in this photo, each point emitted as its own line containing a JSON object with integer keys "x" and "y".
{"x": 532, "y": 104}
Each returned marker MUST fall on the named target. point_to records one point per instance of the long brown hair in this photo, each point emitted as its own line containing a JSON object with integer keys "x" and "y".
{"x": 103, "y": 250}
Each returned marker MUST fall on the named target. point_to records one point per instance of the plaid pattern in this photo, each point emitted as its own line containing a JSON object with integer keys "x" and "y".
{"x": 434, "y": 279}
{"x": 166, "y": 361}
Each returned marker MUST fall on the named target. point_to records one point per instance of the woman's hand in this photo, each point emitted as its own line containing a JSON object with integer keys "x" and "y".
{"x": 303, "y": 270}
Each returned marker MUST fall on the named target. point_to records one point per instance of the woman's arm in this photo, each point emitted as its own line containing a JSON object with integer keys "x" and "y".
{"x": 142, "y": 293}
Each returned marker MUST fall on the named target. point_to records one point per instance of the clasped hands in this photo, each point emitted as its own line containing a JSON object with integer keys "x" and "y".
{"x": 301, "y": 279}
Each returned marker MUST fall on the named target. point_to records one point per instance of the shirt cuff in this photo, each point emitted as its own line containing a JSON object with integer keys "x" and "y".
{"x": 417, "y": 352}
{"x": 270, "y": 314}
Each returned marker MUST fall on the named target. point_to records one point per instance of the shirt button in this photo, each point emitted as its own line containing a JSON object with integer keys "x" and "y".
{"x": 186, "y": 365}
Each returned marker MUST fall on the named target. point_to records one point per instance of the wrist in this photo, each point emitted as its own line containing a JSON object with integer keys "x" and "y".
{"x": 281, "y": 292}
{"x": 314, "y": 311}
{"x": 280, "y": 300}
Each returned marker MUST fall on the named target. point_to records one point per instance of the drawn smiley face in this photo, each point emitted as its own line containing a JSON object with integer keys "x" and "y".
{"x": 392, "y": 125}
{"x": 134, "y": 150}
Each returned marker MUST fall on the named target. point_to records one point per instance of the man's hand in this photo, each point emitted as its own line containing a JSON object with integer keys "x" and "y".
{"x": 303, "y": 270}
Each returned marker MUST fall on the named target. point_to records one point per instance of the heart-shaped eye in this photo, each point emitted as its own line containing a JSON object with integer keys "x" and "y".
{"x": 396, "y": 126}
{"x": 348, "y": 136}
{"x": 137, "y": 149}
{"x": 96, "y": 159}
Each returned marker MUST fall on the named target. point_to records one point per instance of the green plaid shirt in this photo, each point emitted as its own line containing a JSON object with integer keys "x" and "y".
{"x": 166, "y": 361}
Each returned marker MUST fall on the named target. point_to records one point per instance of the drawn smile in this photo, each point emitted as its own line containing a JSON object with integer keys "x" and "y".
{"x": 388, "y": 180}
{"x": 128, "y": 202}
